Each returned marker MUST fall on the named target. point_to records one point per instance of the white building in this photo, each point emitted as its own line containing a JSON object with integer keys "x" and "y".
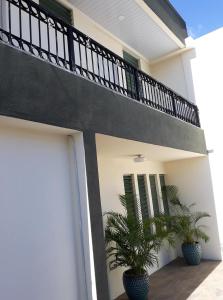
{"x": 74, "y": 114}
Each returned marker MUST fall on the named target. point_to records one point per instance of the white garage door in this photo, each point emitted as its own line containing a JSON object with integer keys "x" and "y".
{"x": 37, "y": 248}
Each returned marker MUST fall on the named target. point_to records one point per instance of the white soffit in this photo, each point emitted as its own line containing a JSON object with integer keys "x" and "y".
{"x": 133, "y": 22}
{"x": 126, "y": 149}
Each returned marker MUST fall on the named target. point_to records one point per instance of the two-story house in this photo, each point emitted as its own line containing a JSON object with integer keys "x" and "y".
{"x": 85, "y": 116}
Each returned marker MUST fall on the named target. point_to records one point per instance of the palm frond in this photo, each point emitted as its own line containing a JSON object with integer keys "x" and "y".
{"x": 130, "y": 242}
{"x": 199, "y": 215}
{"x": 184, "y": 220}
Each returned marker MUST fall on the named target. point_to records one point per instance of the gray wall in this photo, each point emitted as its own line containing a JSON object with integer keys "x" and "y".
{"x": 32, "y": 89}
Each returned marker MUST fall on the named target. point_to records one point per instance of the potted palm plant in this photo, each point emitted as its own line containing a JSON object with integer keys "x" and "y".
{"x": 184, "y": 223}
{"x": 132, "y": 243}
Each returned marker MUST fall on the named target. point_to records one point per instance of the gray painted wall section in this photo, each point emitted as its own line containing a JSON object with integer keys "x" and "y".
{"x": 32, "y": 89}
{"x": 96, "y": 216}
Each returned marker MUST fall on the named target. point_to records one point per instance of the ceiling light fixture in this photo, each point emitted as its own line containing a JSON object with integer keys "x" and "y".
{"x": 139, "y": 158}
{"x": 121, "y": 18}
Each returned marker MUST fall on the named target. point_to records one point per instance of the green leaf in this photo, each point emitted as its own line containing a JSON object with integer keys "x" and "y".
{"x": 184, "y": 220}
{"x": 129, "y": 240}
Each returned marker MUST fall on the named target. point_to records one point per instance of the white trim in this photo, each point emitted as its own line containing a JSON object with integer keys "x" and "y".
{"x": 150, "y": 201}
{"x": 170, "y": 55}
{"x": 149, "y": 196}
{"x": 159, "y": 22}
{"x": 85, "y": 263}
{"x": 159, "y": 193}
{"x": 137, "y": 196}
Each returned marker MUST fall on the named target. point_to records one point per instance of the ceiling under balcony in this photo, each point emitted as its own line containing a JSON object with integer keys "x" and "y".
{"x": 135, "y": 23}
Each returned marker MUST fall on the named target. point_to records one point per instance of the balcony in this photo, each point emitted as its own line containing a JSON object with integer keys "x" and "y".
{"x": 30, "y": 28}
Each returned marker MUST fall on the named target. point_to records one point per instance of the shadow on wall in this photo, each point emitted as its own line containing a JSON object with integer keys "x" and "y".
{"x": 193, "y": 179}
{"x": 177, "y": 281}
{"x": 176, "y": 73}
{"x": 187, "y": 58}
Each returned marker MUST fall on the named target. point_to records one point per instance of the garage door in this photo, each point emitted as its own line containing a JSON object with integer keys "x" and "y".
{"x": 37, "y": 248}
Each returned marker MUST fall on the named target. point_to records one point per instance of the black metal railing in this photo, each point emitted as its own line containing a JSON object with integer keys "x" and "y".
{"x": 28, "y": 26}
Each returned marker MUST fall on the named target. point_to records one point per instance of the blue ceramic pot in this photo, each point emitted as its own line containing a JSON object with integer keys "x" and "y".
{"x": 136, "y": 287}
{"x": 192, "y": 253}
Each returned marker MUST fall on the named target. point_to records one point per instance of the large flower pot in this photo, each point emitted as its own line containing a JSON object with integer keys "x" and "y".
{"x": 136, "y": 287}
{"x": 192, "y": 253}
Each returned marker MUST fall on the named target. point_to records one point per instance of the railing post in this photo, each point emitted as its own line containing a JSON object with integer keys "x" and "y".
{"x": 174, "y": 105}
{"x": 137, "y": 84}
{"x": 197, "y": 116}
{"x": 70, "y": 43}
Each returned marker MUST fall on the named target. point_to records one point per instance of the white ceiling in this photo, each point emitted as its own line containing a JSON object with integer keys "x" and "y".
{"x": 126, "y": 149}
{"x": 138, "y": 29}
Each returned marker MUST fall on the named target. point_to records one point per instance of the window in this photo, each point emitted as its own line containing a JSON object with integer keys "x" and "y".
{"x": 130, "y": 193}
{"x": 153, "y": 187}
{"x": 143, "y": 196}
{"x": 58, "y": 10}
{"x": 164, "y": 194}
{"x": 131, "y": 59}
{"x": 130, "y": 78}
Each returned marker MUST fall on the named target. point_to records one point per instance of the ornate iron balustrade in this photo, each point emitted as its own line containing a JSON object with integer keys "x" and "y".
{"x": 28, "y": 26}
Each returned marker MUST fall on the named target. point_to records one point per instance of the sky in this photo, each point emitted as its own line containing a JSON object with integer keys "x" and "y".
{"x": 201, "y": 16}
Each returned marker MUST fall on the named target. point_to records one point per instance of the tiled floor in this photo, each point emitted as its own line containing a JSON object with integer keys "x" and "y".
{"x": 177, "y": 281}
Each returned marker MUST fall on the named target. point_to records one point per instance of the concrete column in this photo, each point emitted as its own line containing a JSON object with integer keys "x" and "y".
{"x": 96, "y": 216}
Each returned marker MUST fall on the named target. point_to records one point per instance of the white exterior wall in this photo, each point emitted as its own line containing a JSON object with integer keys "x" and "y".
{"x": 193, "y": 179}
{"x": 44, "y": 219}
{"x": 111, "y": 171}
{"x": 196, "y": 74}
{"x": 206, "y": 73}
{"x": 171, "y": 72}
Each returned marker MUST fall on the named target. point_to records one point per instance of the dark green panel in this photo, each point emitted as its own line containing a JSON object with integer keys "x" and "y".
{"x": 130, "y": 78}
{"x": 143, "y": 197}
{"x": 152, "y": 179}
{"x": 58, "y": 10}
{"x": 130, "y": 193}
{"x": 164, "y": 194}
{"x": 131, "y": 59}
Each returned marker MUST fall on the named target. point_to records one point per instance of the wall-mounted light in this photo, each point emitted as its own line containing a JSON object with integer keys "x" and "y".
{"x": 210, "y": 151}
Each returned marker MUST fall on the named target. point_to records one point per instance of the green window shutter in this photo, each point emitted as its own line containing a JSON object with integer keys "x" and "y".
{"x": 152, "y": 180}
{"x": 164, "y": 194}
{"x": 130, "y": 193}
{"x": 131, "y": 59}
{"x": 143, "y": 196}
{"x": 58, "y": 10}
{"x": 130, "y": 79}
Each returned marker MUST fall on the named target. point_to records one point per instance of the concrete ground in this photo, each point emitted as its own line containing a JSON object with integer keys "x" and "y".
{"x": 177, "y": 281}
